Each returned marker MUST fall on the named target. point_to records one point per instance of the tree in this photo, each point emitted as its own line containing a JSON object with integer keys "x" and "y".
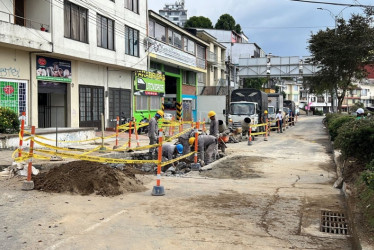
{"x": 199, "y": 22}
{"x": 254, "y": 83}
{"x": 342, "y": 54}
{"x": 227, "y": 22}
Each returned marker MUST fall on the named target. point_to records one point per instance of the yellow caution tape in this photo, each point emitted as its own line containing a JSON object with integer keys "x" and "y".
{"x": 177, "y": 135}
{"x": 176, "y": 159}
{"x": 95, "y": 158}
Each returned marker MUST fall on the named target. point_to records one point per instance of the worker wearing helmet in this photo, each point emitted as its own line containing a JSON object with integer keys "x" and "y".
{"x": 153, "y": 130}
{"x": 183, "y": 139}
{"x": 170, "y": 152}
{"x": 207, "y": 144}
{"x": 213, "y": 130}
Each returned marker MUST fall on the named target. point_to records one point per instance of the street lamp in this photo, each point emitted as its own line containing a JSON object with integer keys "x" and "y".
{"x": 335, "y": 17}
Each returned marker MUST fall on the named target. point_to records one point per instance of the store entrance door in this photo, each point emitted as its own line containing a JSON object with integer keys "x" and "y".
{"x": 51, "y": 104}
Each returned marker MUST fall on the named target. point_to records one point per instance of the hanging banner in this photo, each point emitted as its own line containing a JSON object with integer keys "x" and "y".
{"x": 51, "y": 69}
{"x": 149, "y": 83}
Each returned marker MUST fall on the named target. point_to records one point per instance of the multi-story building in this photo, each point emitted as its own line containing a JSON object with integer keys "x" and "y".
{"x": 215, "y": 79}
{"x": 176, "y": 13}
{"x": 180, "y": 56}
{"x": 66, "y": 62}
{"x": 236, "y": 46}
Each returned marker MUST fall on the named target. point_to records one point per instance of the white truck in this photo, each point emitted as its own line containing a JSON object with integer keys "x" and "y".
{"x": 247, "y": 107}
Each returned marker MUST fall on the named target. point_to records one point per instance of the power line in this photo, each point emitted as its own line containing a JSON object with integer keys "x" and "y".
{"x": 337, "y": 4}
{"x": 312, "y": 27}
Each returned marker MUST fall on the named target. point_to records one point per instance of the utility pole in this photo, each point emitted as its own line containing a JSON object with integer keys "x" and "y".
{"x": 228, "y": 65}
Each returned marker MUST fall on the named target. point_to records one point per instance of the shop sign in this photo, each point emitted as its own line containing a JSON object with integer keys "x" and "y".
{"x": 51, "y": 69}
{"x": 149, "y": 83}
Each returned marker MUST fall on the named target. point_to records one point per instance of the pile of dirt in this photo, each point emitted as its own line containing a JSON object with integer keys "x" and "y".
{"x": 84, "y": 178}
{"x": 238, "y": 167}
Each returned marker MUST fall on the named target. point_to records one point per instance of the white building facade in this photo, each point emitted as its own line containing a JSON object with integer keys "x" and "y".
{"x": 175, "y": 12}
{"x": 67, "y": 62}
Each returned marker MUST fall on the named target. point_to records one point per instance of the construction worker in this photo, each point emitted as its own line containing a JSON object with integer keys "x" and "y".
{"x": 153, "y": 130}
{"x": 183, "y": 139}
{"x": 279, "y": 117}
{"x": 169, "y": 152}
{"x": 213, "y": 130}
{"x": 263, "y": 120}
{"x": 207, "y": 144}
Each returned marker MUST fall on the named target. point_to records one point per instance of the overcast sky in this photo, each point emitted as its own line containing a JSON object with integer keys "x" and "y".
{"x": 281, "y": 27}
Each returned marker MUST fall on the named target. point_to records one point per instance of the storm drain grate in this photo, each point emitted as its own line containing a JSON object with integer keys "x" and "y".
{"x": 334, "y": 223}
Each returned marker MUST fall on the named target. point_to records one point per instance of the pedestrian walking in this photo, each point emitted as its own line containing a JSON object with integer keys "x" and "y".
{"x": 279, "y": 117}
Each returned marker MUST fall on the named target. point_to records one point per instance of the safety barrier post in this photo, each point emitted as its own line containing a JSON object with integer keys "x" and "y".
{"x": 250, "y": 136}
{"x": 21, "y": 133}
{"x": 196, "y": 141}
{"x": 130, "y": 128}
{"x": 117, "y": 125}
{"x": 278, "y": 122}
{"x": 269, "y": 126}
{"x": 136, "y": 133}
{"x": 266, "y": 131}
{"x": 172, "y": 128}
{"x": 29, "y": 184}
{"x": 159, "y": 190}
{"x": 204, "y": 128}
{"x": 180, "y": 126}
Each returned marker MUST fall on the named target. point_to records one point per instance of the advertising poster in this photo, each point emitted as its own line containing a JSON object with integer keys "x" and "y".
{"x": 13, "y": 95}
{"x": 149, "y": 83}
{"x": 51, "y": 69}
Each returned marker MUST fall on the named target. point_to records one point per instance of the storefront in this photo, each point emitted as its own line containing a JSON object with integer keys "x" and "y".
{"x": 149, "y": 92}
{"x": 53, "y": 76}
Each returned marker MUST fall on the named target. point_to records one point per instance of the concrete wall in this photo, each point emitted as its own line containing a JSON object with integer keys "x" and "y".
{"x": 208, "y": 103}
{"x": 90, "y": 51}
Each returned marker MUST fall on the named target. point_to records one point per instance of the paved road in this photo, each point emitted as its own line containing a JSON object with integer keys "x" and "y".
{"x": 278, "y": 206}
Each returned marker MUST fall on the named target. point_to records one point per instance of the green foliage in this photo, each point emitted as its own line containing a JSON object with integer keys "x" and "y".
{"x": 366, "y": 201}
{"x": 254, "y": 83}
{"x": 227, "y": 22}
{"x": 318, "y": 112}
{"x": 335, "y": 122}
{"x": 356, "y": 139}
{"x": 330, "y": 117}
{"x": 370, "y": 166}
{"x": 356, "y": 106}
{"x": 9, "y": 122}
{"x": 368, "y": 178}
{"x": 199, "y": 22}
{"x": 342, "y": 53}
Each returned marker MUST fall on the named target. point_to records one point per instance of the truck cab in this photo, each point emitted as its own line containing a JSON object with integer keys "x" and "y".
{"x": 239, "y": 111}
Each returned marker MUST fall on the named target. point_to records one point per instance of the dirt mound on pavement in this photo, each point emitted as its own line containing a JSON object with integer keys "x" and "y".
{"x": 237, "y": 167}
{"x": 84, "y": 178}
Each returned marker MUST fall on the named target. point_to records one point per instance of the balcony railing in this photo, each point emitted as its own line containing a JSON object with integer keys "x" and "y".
{"x": 219, "y": 89}
{"x": 21, "y": 21}
{"x": 212, "y": 57}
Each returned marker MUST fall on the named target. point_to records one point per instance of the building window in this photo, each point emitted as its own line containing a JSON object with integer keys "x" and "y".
{"x": 75, "y": 22}
{"x": 145, "y": 103}
{"x": 131, "y": 41}
{"x": 132, "y": 5}
{"x": 201, "y": 55}
{"x": 189, "y": 78}
{"x": 320, "y": 99}
{"x": 295, "y": 88}
{"x": 105, "y": 32}
{"x": 175, "y": 39}
{"x": 364, "y": 92}
{"x": 189, "y": 46}
{"x": 157, "y": 31}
